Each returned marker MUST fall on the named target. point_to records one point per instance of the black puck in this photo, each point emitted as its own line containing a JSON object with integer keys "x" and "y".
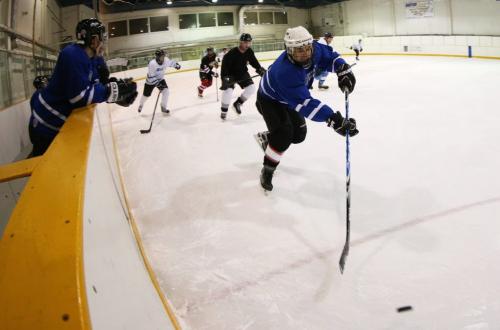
{"x": 404, "y": 309}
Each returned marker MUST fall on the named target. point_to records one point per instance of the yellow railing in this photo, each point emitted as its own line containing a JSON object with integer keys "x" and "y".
{"x": 42, "y": 283}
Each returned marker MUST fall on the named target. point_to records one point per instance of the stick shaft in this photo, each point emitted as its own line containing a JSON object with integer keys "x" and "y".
{"x": 345, "y": 251}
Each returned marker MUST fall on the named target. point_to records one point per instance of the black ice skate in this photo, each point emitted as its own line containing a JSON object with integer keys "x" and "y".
{"x": 321, "y": 86}
{"x": 262, "y": 139}
{"x": 237, "y": 106}
{"x": 165, "y": 110}
{"x": 266, "y": 177}
{"x": 223, "y": 115}
{"x": 139, "y": 109}
{"x": 200, "y": 92}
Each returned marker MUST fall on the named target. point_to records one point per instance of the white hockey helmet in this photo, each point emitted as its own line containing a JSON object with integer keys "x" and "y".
{"x": 298, "y": 38}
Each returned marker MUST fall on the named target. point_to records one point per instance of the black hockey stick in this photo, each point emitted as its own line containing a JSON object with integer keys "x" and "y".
{"x": 345, "y": 251}
{"x": 144, "y": 131}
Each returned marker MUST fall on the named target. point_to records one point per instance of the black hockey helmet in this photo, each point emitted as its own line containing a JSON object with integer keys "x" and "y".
{"x": 40, "y": 82}
{"x": 328, "y": 35}
{"x": 245, "y": 37}
{"x": 87, "y": 28}
{"x": 210, "y": 49}
{"x": 159, "y": 53}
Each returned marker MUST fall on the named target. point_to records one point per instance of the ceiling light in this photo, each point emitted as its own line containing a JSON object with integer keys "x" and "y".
{"x": 169, "y": 2}
{"x": 261, "y": 1}
{"x": 214, "y": 1}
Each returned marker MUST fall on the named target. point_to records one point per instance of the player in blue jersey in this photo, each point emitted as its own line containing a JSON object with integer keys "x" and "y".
{"x": 284, "y": 99}
{"x": 74, "y": 84}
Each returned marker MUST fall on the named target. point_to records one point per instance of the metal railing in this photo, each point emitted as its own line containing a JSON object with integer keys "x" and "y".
{"x": 191, "y": 52}
{"x": 20, "y": 62}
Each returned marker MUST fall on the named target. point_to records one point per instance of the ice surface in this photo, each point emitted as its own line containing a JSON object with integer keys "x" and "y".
{"x": 425, "y": 204}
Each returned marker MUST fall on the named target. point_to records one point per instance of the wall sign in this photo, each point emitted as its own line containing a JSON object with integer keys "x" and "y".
{"x": 419, "y": 8}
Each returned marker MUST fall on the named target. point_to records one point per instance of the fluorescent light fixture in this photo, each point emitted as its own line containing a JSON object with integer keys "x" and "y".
{"x": 214, "y": 1}
{"x": 169, "y": 2}
{"x": 261, "y": 1}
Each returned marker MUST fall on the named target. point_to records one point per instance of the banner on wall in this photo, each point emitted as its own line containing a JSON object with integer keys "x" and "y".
{"x": 419, "y": 8}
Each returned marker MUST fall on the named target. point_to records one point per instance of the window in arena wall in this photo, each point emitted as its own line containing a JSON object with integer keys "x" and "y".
{"x": 251, "y": 18}
{"x": 138, "y": 26}
{"x": 117, "y": 29}
{"x": 266, "y": 17}
{"x": 159, "y": 23}
{"x": 225, "y": 19}
{"x": 207, "y": 19}
{"x": 280, "y": 17}
{"x": 188, "y": 21}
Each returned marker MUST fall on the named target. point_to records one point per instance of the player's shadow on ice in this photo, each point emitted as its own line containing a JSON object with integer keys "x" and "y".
{"x": 237, "y": 196}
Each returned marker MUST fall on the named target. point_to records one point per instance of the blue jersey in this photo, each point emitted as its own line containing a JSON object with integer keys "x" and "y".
{"x": 71, "y": 86}
{"x": 289, "y": 83}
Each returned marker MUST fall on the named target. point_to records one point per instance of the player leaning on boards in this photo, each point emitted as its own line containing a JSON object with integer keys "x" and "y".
{"x": 284, "y": 100}
{"x": 234, "y": 71}
{"x": 208, "y": 63}
{"x": 156, "y": 72}
{"x": 73, "y": 85}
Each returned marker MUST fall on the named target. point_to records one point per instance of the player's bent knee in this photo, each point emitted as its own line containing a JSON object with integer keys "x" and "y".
{"x": 300, "y": 134}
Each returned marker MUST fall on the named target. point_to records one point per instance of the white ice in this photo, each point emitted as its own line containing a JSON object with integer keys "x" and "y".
{"x": 425, "y": 206}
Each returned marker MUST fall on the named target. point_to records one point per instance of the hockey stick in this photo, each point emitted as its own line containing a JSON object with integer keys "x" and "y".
{"x": 345, "y": 251}
{"x": 217, "y": 85}
{"x": 144, "y": 131}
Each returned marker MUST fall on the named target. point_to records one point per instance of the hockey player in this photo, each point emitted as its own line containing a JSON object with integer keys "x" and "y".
{"x": 40, "y": 82}
{"x": 156, "y": 72}
{"x": 358, "y": 48}
{"x": 234, "y": 71}
{"x": 208, "y": 63}
{"x": 221, "y": 54}
{"x": 72, "y": 86}
{"x": 284, "y": 100}
{"x": 321, "y": 75}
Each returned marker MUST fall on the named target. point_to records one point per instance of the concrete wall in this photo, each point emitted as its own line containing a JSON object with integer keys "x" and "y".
{"x": 153, "y": 39}
{"x": 47, "y": 20}
{"x": 388, "y": 17}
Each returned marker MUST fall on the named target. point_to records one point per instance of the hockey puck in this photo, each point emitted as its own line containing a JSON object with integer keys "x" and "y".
{"x": 404, "y": 309}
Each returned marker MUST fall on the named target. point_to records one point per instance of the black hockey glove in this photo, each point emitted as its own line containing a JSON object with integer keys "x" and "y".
{"x": 346, "y": 78}
{"x": 103, "y": 73}
{"x": 261, "y": 71}
{"x": 177, "y": 66}
{"x": 161, "y": 85}
{"x": 341, "y": 125}
{"x": 215, "y": 74}
{"x": 227, "y": 82}
{"x": 122, "y": 92}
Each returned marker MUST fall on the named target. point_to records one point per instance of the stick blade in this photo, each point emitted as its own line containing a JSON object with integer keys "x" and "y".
{"x": 144, "y": 131}
{"x": 343, "y": 257}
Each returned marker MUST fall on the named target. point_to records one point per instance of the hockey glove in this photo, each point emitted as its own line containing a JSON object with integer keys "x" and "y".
{"x": 122, "y": 92}
{"x": 227, "y": 82}
{"x": 341, "y": 125}
{"x": 177, "y": 66}
{"x": 161, "y": 85}
{"x": 261, "y": 71}
{"x": 346, "y": 78}
{"x": 215, "y": 74}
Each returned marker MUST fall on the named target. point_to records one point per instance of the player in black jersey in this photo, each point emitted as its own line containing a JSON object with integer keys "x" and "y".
{"x": 234, "y": 71}
{"x": 208, "y": 63}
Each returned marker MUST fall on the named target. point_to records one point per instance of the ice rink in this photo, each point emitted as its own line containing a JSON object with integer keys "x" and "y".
{"x": 425, "y": 208}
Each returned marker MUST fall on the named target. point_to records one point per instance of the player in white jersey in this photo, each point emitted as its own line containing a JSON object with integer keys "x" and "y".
{"x": 221, "y": 54}
{"x": 156, "y": 72}
{"x": 358, "y": 48}
{"x": 319, "y": 74}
